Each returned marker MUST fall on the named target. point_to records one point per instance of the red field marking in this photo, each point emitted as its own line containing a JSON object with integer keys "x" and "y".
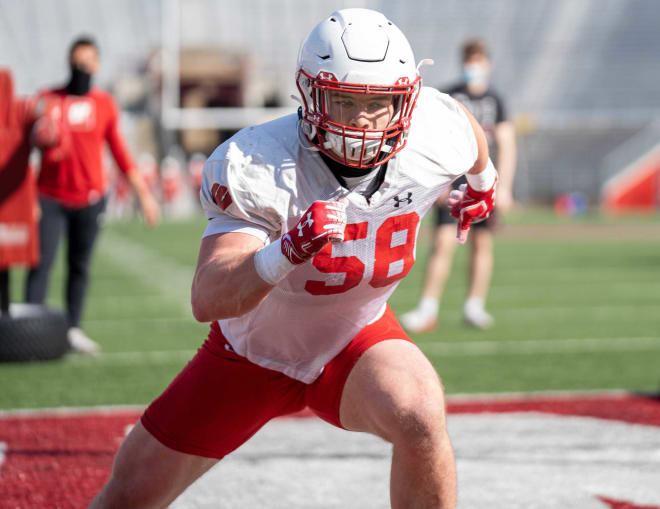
{"x": 62, "y": 461}
{"x": 58, "y": 462}
{"x": 626, "y": 407}
{"x": 621, "y": 504}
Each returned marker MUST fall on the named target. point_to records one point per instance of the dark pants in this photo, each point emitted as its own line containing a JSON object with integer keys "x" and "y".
{"x": 4, "y": 291}
{"x": 81, "y": 226}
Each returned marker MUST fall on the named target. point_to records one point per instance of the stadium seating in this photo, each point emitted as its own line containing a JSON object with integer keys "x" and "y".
{"x": 584, "y": 74}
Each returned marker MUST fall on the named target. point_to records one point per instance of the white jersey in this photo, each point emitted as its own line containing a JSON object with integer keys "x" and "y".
{"x": 261, "y": 181}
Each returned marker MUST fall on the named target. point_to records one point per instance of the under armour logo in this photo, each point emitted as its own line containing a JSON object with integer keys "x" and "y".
{"x": 398, "y": 201}
{"x": 308, "y": 222}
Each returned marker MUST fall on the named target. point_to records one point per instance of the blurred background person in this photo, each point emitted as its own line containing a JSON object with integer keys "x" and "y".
{"x": 488, "y": 108}
{"x": 75, "y": 122}
{"x": 18, "y": 239}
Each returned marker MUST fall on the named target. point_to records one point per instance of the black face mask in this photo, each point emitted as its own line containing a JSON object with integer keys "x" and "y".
{"x": 340, "y": 171}
{"x": 344, "y": 171}
{"x": 80, "y": 82}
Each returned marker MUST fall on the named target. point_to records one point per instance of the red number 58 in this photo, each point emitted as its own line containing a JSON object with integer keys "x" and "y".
{"x": 393, "y": 256}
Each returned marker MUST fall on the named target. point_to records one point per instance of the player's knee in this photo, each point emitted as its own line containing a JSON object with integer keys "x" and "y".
{"x": 421, "y": 425}
{"x": 417, "y": 417}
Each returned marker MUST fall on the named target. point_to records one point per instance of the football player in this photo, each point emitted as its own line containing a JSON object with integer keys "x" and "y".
{"x": 313, "y": 220}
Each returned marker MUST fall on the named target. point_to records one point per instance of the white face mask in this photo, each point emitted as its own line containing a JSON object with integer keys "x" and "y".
{"x": 475, "y": 74}
{"x": 376, "y": 113}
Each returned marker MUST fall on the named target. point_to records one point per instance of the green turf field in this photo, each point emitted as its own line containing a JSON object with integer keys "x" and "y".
{"x": 577, "y": 305}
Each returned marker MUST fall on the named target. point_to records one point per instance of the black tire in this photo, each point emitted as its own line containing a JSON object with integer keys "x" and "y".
{"x": 31, "y": 332}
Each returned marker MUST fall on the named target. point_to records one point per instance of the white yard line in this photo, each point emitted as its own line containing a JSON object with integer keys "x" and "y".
{"x": 647, "y": 286}
{"x": 544, "y": 314}
{"x": 596, "y": 273}
{"x": 67, "y": 411}
{"x": 129, "y": 300}
{"x": 527, "y": 313}
{"x": 580, "y": 309}
{"x": 130, "y": 358}
{"x": 118, "y": 322}
{"x": 168, "y": 277}
{"x": 547, "y": 346}
{"x": 447, "y": 349}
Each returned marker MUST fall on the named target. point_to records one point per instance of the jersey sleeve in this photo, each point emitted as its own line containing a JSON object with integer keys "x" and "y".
{"x": 238, "y": 194}
{"x": 442, "y": 145}
{"x": 226, "y": 224}
{"x": 464, "y": 140}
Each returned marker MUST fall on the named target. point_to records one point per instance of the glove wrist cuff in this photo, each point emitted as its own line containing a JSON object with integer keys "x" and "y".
{"x": 271, "y": 264}
{"x": 483, "y": 182}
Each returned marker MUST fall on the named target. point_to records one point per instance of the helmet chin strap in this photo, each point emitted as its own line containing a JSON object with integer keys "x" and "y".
{"x": 302, "y": 140}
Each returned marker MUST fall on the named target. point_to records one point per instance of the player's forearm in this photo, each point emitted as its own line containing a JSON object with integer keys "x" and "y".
{"x": 137, "y": 183}
{"x": 235, "y": 271}
{"x": 227, "y": 286}
{"x": 506, "y": 167}
{"x": 505, "y": 136}
{"x": 149, "y": 205}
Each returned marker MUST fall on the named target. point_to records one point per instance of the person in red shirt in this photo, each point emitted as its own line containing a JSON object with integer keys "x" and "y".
{"x": 74, "y": 123}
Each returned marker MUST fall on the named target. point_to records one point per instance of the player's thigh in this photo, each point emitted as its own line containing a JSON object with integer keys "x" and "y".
{"x": 83, "y": 229}
{"x": 147, "y": 473}
{"x": 51, "y": 226}
{"x": 482, "y": 238}
{"x": 393, "y": 391}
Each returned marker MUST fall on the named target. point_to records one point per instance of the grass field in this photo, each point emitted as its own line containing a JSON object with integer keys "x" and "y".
{"x": 577, "y": 305}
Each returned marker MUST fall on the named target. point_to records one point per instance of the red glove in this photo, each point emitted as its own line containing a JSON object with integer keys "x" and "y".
{"x": 470, "y": 206}
{"x": 324, "y": 221}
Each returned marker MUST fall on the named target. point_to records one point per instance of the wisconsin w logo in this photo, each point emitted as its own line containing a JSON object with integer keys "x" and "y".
{"x": 398, "y": 201}
{"x": 221, "y": 196}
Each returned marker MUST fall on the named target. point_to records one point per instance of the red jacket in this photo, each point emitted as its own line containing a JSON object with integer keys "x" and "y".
{"x": 73, "y": 173}
{"x": 18, "y": 226}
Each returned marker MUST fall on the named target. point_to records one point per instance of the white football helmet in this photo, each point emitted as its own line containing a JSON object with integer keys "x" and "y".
{"x": 359, "y": 54}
